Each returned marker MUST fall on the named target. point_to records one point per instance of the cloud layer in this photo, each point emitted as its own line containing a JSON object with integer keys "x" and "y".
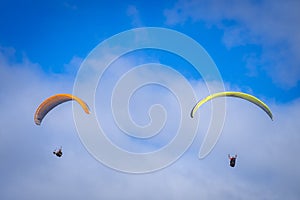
{"x": 267, "y": 165}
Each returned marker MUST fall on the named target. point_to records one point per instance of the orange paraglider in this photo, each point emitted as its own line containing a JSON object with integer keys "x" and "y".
{"x": 54, "y": 101}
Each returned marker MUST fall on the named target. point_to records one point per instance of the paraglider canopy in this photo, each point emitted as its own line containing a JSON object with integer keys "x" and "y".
{"x": 54, "y": 101}
{"x": 241, "y": 95}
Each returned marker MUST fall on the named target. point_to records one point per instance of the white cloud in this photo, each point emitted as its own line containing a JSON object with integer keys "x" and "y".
{"x": 134, "y": 14}
{"x": 267, "y": 150}
{"x": 271, "y": 24}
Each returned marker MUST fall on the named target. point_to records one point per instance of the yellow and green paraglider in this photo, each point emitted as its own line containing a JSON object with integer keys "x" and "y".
{"x": 241, "y": 95}
{"x": 54, "y": 101}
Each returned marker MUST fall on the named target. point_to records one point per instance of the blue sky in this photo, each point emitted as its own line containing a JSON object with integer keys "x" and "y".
{"x": 254, "y": 44}
{"x": 52, "y": 33}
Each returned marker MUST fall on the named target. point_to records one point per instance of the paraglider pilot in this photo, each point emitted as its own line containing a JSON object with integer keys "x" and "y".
{"x": 232, "y": 160}
{"x": 58, "y": 152}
